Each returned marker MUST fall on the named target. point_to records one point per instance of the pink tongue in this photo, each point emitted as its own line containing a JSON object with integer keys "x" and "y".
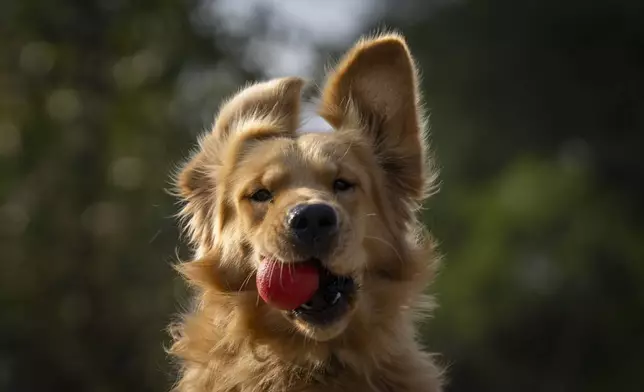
{"x": 287, "y": 286}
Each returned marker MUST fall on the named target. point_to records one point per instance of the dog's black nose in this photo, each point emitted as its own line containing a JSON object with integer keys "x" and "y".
{"x": 313, "y": 226}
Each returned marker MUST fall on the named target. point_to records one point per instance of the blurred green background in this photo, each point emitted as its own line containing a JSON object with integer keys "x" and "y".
{"x": 537, "y": 111}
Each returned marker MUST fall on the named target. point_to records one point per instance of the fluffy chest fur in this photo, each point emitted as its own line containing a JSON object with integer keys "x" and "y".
{"x": 244, "y": 374}
{"x": 219, "y": 363}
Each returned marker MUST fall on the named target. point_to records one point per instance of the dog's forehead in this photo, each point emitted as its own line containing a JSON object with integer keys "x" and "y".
{"x": 306, "y": 152}
{"x": 308, "y": 159}
{"x": 315, "y": 147}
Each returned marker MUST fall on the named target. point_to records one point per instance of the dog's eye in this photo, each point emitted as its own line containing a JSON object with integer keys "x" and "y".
{"x": 341, "y": 185}
{"x": 261, "y": 196}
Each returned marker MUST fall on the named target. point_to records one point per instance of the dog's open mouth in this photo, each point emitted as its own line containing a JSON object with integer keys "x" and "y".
{"x": 331, "y": 301}
{"x": 306, "y": 290}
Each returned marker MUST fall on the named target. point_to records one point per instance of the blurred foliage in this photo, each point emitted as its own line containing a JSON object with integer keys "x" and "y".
{"x": 537, "y": 112}
{"x": 537, "y": 119}
{"x": 94, "y": 117}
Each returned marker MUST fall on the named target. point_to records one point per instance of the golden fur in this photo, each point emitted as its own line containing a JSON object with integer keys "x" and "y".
{"x": 231, "y": 341}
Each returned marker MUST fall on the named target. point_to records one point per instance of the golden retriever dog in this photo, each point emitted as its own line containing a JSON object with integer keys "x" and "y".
{"x": 341, "y": 197}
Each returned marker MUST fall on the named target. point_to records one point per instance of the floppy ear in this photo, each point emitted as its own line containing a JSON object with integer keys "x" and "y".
{"x": 271, "y": 107}
{"x": 208, "y": 272}
{"x": 274, "y": 103}
{"x": 374, "y": 88}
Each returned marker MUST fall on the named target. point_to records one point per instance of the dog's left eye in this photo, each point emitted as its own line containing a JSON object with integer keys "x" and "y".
{"x": 340, "y": 185}
{"x": 261, "y": 196}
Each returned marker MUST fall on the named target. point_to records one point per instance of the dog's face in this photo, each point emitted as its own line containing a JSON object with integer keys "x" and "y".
{"x": 260, "y": 189}
{"x": 307, "y": 199}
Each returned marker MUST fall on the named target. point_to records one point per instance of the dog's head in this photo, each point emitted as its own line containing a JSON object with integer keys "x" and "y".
{"x": 342, "y": 199}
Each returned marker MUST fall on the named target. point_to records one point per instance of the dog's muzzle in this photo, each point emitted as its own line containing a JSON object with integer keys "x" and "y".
{"x": 313, "y": 229}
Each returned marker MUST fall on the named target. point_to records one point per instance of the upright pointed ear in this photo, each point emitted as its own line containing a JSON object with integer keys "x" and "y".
{"x": 375, "y": 89}
{"x": 268, "y": 107}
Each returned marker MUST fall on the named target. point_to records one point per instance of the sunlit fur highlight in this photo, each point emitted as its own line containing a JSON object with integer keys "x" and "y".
{"x": 230, "y": 341}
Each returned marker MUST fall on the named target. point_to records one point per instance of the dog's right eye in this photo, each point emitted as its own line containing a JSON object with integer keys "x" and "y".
{"x": 261, "y": 196}
{"x": 341, "y": 185}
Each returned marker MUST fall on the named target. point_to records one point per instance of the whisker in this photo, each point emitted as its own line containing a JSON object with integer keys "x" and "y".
{"x": 246, "y": 281}
{"x": 346, "y": 152}
{"x": 388, "y": 244}
{"x": 270, "y": 274}
{"x": 367, "y": 215}
{"x": 154, "y": 237}
{"x": 290, "y": 269}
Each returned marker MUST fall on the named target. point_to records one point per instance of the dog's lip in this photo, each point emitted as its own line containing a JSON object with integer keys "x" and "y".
{"x": 333, "y": 299}
{"x": 312, "y": 260}
{"x": 325, "y": 307}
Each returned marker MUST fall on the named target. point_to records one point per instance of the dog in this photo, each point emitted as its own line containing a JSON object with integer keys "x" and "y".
{"x": 339, "y": 191}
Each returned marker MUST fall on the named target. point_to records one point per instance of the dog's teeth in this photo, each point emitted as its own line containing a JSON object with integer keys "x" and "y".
{"x": 336, "y": 299}
{"x": 305, "y": 306}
